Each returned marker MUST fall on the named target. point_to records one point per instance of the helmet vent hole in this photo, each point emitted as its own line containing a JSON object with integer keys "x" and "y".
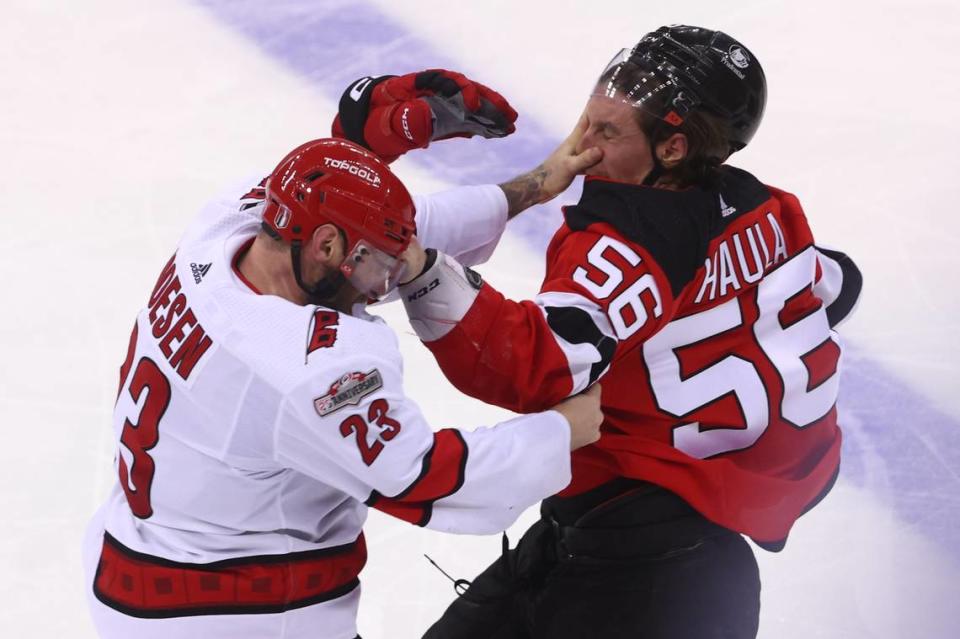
{"x": 316, "y": 175}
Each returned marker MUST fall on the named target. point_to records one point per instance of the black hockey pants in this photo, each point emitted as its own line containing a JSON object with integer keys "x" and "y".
{"x": 642, "y": 564}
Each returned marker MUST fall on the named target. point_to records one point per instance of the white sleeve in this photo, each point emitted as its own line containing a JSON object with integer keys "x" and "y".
{"x": 464, "y": 222}
{"x": 370, "y": 441}
{"x": 507, "y": 465}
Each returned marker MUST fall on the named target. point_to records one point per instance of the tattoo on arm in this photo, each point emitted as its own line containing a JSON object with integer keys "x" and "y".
{"x": 524, "y": 190}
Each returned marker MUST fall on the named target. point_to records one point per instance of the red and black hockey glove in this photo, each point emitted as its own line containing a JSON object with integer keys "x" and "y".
{"x": 391, "y": 115}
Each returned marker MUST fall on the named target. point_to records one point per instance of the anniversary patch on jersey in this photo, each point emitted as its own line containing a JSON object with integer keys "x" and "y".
{"x": 348, "y": 391}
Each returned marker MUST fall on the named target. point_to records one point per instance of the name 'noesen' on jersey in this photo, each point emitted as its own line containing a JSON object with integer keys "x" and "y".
{"x": 252, "y": 434}
{"x": 170, "y": 316}
{"x": 709, "y": 314}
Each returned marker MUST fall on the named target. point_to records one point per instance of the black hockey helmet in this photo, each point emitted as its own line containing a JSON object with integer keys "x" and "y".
{"x": 676, "y": 69}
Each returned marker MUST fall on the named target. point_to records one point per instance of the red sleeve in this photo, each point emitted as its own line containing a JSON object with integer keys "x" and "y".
{"x": 602, "y": 296}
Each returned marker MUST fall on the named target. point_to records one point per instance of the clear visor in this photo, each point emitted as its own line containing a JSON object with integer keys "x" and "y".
{"x": 371, "y": 271}
{"x": 626, "y": 79}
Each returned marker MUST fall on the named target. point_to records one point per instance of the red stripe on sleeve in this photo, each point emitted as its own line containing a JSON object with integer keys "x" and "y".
{"x": 444, "y": 467}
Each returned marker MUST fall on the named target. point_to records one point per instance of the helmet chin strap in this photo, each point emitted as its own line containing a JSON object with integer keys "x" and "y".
{"x": 324, "y": 289}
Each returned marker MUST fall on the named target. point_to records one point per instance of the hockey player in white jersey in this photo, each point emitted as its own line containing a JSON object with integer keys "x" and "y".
{"x": 260, "y": 411}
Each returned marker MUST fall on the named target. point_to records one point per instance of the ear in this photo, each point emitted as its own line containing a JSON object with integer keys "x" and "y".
{"x": 326, "y": 247}
{"x": 673, "y": 150}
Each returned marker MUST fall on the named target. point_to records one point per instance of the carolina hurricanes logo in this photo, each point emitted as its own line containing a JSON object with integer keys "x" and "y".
{"x": 323, "y": 332}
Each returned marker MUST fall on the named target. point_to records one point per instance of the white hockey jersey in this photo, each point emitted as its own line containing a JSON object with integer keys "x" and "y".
{"x": 252, "y": 432}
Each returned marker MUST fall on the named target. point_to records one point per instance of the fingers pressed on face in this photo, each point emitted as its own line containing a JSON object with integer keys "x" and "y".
{"x": 583, "y": 123}
{"x": 573, "y": 141}
{"x": 588, "y": 159}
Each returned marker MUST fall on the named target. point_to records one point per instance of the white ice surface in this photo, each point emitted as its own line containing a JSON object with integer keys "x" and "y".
{"x": 120, "y": 117}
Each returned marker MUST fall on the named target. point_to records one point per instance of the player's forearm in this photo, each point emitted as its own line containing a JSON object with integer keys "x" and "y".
{"x": 525, "y": 190}
{"x": 465, "y": 222}
{"x": 508, "y": 468}
{"x": 497, "y": 350}
{"x": 554, "y": 175}
{"x": 503, "y": 353}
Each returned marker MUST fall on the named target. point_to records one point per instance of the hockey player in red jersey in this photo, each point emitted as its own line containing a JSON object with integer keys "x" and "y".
{"x": 697, "y": 294}
{"x": 261, "y": 410}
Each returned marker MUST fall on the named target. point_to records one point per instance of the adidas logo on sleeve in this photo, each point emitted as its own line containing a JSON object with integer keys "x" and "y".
{"x": 199, "y": 271}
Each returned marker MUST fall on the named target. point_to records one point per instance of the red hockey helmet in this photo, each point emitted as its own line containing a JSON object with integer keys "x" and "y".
{"x": 333, "y": 181}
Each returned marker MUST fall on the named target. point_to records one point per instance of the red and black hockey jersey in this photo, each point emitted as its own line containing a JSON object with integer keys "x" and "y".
{"x": 708, "y": 314}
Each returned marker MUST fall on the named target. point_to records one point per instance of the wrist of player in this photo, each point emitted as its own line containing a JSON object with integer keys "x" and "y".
{"x": 439, "y": 297}
{"x": 526, "y": 190}
{"x": 418, "y": 263}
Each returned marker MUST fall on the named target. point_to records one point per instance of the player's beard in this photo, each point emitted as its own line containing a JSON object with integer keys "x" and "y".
{"x": 333, "y": 291}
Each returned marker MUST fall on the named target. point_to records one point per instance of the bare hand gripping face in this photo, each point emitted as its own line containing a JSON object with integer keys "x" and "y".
{"x": 554, "y": 175}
